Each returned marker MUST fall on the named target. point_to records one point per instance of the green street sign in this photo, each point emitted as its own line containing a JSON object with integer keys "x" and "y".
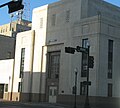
{"x": 81, "y": 49}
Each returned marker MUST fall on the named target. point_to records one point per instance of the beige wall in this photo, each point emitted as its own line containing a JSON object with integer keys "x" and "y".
{"x": 24, "y": 40}
{"x": 5, "y": 30}
{"x": 6, "y": 75}
{"x": 39, "y": 63}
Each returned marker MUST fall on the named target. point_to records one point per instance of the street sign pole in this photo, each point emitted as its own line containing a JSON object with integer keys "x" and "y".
{"x": 71, "y": 50}
{"x": 87, "y": 98}
{"x": 4, "y": 4}
{"x": 75, "y": 88}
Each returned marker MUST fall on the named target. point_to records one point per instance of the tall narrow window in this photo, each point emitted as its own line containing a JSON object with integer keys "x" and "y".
{"x": 20, "y": 87}
{"x": 84, "y": 59}
{"x": 110, "y": 58}
{"x": 6, "y": 87}
{"x": 22, "y": 62}
{"x": 41, "y": 22}
{"x": 53, "y": 19}
{"x": 109, "y": 90}
{"x": 67, "y": 16}
{"x": 53, "y": 65}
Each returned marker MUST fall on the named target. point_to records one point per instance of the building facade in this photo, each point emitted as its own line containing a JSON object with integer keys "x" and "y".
{"x": 23, "y": 65}
{"x": 44, "y": 72}
{"x": 6, "y": 64}
{"x": 7, "y": 47}
{"x": 11, "y": 29}
{"x": 8, "y": 34}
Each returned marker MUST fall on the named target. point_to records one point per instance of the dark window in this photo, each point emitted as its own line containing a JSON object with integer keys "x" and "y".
{"x": 109, "y": 90}
{"x": 20, "y": 87}
{"x": 84, "y": 59}
{"x": 68, "y": 16}
{"x": 12, "y": 29}
{"x": 22, "y": 62}
{"x": 50, "y": 92}
{"x": 53, "y": 19}
{"x": 6, "y": 87}
{"x": 110, "y": 58}
{"x": 55, "y": 92}
{"x": 83, "y": 89}
{"x": 53, "y": 64}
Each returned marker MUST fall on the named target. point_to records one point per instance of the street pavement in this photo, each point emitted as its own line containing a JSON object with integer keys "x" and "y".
{"x": 6, "y": 104}
{"x": 10, "y": 104}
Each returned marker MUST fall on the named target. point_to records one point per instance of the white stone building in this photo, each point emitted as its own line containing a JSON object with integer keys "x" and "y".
{"x": 7, "y": 53}
{"x": 44, "y": 72}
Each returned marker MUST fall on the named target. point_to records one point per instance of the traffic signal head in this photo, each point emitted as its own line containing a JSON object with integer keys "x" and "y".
{"x": 15, "y": 6}
{"x": 91, "y": 62}
{"x": 70, "y": 50}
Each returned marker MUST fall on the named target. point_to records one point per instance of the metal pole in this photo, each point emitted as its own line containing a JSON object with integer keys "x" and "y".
{"x": 3, "y": 5}
{"x": 87, "y": 98}
{"x": 75, "y": 88}
{"x": 6, "y": 4}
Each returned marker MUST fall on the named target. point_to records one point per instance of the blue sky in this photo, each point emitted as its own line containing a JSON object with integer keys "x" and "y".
{"x": 5, "y": 17}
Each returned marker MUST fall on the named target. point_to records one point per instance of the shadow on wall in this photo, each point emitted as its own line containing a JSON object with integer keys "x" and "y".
{"x": 33, "y": 84}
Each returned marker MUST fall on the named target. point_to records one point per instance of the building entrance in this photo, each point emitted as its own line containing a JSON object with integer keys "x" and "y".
{"x": 52, "y": 94}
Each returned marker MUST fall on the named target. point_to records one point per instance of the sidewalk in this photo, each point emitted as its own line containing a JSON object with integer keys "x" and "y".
{"x": 44, "y": 104}
{"x": 40, "y": 104}
{"x": 52, "y": 105}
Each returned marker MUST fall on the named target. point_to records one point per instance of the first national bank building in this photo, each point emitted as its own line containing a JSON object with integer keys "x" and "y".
{"x": 44, "y": 72}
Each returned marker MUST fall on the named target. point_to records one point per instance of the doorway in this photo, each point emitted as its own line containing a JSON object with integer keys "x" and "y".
{"x": 52, "y": 94}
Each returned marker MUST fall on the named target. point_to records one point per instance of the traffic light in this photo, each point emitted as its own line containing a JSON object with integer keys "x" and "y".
{"x": 70, "y": 50}
{"x": 15, "y": 6}
{"x": 91, "y": 62}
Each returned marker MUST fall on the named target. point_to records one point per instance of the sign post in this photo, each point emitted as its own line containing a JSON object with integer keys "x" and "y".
{"x": 90, "y": 64}
{"x": 87, "y": 98}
